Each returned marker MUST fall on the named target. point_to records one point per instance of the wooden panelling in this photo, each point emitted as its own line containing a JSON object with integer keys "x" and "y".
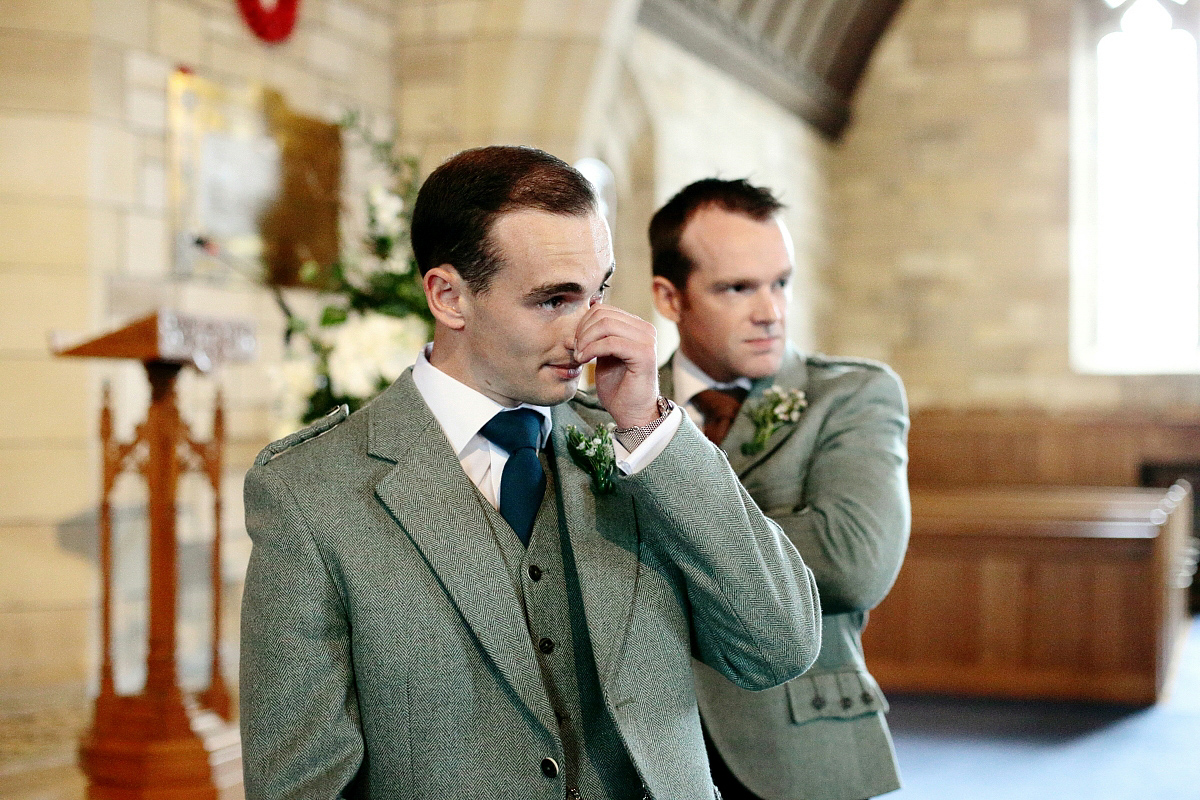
{"x": 950, "y": 448}
{"x": 1037, "y": 592}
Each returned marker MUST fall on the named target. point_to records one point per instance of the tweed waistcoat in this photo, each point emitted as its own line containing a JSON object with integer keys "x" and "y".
{"x": 596, "y": 764}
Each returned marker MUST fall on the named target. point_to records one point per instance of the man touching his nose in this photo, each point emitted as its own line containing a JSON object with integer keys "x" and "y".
{"x": 445, "y": 601}
{"x": 828, "y": 467}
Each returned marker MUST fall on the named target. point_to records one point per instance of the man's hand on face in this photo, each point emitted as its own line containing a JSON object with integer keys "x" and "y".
{"x": 626, "y": 363}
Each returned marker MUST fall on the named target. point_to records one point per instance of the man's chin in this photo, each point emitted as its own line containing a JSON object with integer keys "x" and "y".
{"x": 560, "y": 392}
{"x": 762, "y": 365}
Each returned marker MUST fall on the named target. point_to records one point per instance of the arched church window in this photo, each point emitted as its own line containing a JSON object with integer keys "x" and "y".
{"x": 1135, "y": 229}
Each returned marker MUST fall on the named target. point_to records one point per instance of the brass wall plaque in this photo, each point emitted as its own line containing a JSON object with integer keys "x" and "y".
{"x": 254, "y": 185}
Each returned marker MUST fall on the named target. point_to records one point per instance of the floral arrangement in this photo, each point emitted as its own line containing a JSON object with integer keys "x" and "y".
{"x": 595, "y": 454}
{"x": 374, "y": 320}
{"x": 776, "y": 407}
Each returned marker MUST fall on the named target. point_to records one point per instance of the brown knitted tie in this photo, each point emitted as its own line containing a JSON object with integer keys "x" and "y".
{"x": 719, "y": 407}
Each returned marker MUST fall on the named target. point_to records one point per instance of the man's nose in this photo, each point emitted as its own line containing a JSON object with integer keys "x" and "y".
{"x": 571, "y": 329}
{"x": 766, "y": 310}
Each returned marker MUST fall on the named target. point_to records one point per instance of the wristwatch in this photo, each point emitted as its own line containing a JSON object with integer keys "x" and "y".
{"x": 630, "y": 438}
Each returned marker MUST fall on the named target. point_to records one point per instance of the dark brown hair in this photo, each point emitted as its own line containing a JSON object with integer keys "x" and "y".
{"x": 739, "y": 197}
{"x": 461, "y": 200}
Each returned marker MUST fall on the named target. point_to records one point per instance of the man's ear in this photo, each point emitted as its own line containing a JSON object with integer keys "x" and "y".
{"x": 668, "y": 298}
{"x": 445, "y": 292}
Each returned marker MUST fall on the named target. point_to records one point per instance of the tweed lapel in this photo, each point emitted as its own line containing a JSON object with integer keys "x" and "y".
{"x": 602, "y": 530}
{"x": 792, "y": 375}
{"x": 434, "y": 503}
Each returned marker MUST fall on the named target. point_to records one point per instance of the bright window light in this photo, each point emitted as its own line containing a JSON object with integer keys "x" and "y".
{"x": 1146, "y": 291}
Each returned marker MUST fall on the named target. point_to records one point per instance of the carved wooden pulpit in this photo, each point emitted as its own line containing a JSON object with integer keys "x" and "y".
{"x": 163, "y": 742}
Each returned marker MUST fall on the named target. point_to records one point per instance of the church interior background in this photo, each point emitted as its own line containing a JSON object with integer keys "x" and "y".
{"x": 926, "y": 150}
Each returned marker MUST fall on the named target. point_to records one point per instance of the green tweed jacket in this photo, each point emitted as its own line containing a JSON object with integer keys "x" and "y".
{"x": 385, "y": 653}
{"x": 836, "y": 483}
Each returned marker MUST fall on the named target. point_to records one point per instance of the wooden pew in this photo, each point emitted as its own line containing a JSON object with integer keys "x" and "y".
{"x": 1038, "y": 592}
{"x": 1019, "y": 447}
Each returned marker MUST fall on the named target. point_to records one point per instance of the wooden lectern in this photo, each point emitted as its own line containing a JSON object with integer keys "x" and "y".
{"x": 163, "y": 743}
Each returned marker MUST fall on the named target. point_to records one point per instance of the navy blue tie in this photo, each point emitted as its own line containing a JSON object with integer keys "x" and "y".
{"x": 523, "y": 482}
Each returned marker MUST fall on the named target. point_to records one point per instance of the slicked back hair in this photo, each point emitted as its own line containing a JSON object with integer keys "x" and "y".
{"x": 666, "y": 228}
{"x": 462, "y": 199}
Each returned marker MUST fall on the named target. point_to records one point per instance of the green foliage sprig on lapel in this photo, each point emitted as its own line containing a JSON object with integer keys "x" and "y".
{"x": 773, "y": 410}
{"x": 595, "y": 455}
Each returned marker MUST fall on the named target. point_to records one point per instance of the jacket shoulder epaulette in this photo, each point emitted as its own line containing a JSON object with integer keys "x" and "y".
{"x": 821, "y": 360}
{"x": 325, "y": 423}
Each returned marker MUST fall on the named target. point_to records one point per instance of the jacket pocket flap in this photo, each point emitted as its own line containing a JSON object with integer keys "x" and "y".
{"x": 838, "y": 695}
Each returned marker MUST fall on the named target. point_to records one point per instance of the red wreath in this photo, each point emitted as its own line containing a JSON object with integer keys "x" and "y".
{"x": 272, "y": 25}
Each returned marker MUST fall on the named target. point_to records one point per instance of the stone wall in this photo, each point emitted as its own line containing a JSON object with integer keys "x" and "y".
{"x": 532, "y": 72}
{"x": 950, "y": 214}
{"x": 675, "y": 120}
{"x": 85, "y": 228}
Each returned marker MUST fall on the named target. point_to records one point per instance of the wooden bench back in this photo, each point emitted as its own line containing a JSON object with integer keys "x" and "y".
{"x": 949, "y": 448}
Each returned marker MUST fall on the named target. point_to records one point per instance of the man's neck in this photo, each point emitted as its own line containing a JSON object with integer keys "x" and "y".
{"x": 449, "y": 356}
{"x": 690, "y": 379}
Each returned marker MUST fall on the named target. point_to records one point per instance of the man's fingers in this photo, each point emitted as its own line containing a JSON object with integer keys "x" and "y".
{"x": 604, "y": 314}
{"x": 611, "y": 327}
{"x": 599, "y": 326}
{"x": 617, "y": 346}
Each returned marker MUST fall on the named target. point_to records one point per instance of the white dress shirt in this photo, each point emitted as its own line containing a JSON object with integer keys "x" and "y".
{"x": 690, "y": 380}
{"x": 462, "y": 412}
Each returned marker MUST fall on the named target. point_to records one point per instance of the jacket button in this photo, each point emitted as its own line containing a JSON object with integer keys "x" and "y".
{"x": 818, "y": 702}
{"x": 546, "y": 646}
{"x": 550, "y": 767}
{"x": 846, "y": 703}
{"x": 535, "y": 572}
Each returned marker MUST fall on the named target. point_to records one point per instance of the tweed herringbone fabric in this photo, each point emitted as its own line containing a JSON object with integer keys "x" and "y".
{"x": 385, "y": 651}
{"x": 544, "y": 575}
{"x": 835, "y": 482}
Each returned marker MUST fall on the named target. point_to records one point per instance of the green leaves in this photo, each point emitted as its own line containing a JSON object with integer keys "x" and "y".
{"x": 333, "y": 315}
{"x": 595, "y": 455}
{"x": 776, "y": 408}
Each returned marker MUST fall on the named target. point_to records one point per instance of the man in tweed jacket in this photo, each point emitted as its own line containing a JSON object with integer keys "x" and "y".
{"x": 429, "y": 615}
{"x": 834, "y": 480}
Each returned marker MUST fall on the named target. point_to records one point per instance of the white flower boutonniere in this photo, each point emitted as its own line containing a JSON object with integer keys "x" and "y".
{"x": 594, "y": 454}
{"x": 774, "y": 409}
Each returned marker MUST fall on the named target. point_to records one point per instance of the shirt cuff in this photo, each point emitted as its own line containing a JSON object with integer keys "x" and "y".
{"x": 633, "y": 463}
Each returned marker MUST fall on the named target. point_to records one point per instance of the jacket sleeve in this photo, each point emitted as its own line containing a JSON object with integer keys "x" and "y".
{"x": 754, "y": 607}
{"x": 301, "y": 735}
{"x": 852, "y": 524}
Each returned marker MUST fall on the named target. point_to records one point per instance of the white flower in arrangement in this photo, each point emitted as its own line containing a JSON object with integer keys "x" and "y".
{"x": 397, "y": 260}
{"x": 371, "y": 348}
{"x": 385, "y": 210}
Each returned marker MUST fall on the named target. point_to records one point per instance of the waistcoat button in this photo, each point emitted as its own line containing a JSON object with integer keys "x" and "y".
{"x": 535, "y": 572}
{"x": 546, "y": 646}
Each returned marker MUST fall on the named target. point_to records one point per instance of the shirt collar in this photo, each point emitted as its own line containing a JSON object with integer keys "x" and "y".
{"x": 690, "y": 380}
{"x": 459, "y": 409}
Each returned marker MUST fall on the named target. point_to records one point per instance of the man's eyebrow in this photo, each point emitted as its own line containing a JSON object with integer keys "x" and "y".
{"x": 548, "y": 290}
{"x": 784, "y": 275}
